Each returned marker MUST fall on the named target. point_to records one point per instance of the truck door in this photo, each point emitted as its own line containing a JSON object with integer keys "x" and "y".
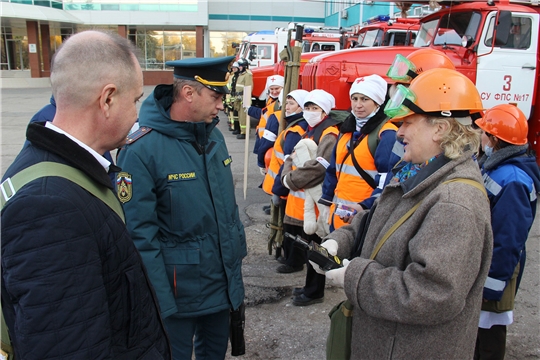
{"x": 508, "y": 74}
{"x": 262, "y": 54}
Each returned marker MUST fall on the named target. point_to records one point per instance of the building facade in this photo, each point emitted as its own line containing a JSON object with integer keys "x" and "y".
{"x": 163, "y": 30}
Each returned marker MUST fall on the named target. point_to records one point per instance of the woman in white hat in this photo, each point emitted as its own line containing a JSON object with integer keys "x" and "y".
{"x": 322, "y": 129}
{"x": 274, "y": 87}
{"x": 363, "y": 154}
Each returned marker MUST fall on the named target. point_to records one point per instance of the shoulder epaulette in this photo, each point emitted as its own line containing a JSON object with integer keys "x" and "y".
{"x": 136, "y": 135}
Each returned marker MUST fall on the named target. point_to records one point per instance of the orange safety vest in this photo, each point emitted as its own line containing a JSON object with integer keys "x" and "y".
{"x": 295, "y": 201}
{"x": 351, "y": 188}
{"x": 278, "y": 157}
{"x": 267, "y": 111}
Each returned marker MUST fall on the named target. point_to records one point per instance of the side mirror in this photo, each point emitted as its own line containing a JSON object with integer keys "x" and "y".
{"x": 504, "y": 22}
{"x": 252, "y": 55}
{"x": 466, "y": 41}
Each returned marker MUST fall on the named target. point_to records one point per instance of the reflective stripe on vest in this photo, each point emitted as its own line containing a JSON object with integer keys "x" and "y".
{"x": 277, "y": 158}
{"x": 351, "y": 188}
{"x": 296, "y": 199}
{"x": 267, "y": 111}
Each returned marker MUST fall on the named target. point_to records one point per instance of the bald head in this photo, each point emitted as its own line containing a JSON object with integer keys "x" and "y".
{"x": 86, "y": 62}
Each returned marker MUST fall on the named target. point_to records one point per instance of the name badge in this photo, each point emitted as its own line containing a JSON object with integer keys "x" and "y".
{"x": 227, "y": 161}
{"x": 182, "y": 176}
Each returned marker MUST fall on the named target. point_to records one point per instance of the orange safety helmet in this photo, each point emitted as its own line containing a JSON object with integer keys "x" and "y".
{"x": 404, "y": 69}
{"x": 267, "y": 158}
{"x": 436, "y": 92}
{"x": 426, "y": 59}
{"x": 506, "y": 122}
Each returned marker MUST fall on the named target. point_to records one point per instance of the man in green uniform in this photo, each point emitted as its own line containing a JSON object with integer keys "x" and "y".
{"x": 178, "y": 195}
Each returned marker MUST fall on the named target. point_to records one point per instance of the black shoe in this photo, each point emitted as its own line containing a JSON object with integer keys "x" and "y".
{"x": 303, "y": 300}
{"x": 241, "y": 136}
{"x": 236, "y": 132}
{"x": 267, "y": 211}
{"x": 231, "y": 128}
{"x": 266, "y": 207}
{"x": 298, "y": 291}
{"x": 282, "y": 260}
{"x": 286, "y": 269}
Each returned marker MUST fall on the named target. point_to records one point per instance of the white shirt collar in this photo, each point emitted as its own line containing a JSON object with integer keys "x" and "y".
{"x": 104, "y": 162}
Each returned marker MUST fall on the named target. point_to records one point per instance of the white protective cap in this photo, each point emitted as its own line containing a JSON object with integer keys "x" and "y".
{"x": 272, "y": 80}
{"x": 372, "y": 86}
{"x": 299, "y": 96}
{"x": 321, "y": 98}
{"x": 235, "y": 64}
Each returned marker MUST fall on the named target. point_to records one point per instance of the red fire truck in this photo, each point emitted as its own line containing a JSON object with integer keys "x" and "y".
{"x": 380, "y": 31}
{"x": 262, "y": 48}
{"x": 479, "y": 37}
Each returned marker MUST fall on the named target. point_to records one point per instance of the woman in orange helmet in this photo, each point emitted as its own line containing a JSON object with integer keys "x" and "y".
{"x": 416, "y": 286}
{"x": 512, "y": 181}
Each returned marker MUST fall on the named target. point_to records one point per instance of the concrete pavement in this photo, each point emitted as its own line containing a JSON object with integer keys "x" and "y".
{"x": 274, "y": 328}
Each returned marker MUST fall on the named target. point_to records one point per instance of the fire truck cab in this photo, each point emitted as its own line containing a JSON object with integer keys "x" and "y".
{"x": 382, "y": 31}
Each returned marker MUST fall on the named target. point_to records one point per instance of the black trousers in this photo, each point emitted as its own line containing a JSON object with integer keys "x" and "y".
{"x": 490, "y": 343}
{"x": 296, "y": 256}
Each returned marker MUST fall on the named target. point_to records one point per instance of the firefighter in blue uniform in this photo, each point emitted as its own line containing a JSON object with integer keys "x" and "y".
{"x": 178, "y": 195}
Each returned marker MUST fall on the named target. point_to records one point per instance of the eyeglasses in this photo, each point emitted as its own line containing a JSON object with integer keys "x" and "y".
{"x": 399, "y": 104}
{"x": 402, "y": 70}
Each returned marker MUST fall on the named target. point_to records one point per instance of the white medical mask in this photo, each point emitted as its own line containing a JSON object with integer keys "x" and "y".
{"x": 313, "y": 117}
{"x": 488, "y": 150}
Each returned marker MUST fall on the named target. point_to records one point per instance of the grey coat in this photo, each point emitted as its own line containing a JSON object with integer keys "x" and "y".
{"x": 420, "y": 298}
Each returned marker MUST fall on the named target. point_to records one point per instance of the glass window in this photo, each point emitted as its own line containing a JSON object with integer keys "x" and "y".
{"x": 14, "y": 49}
{"x": 172, "y": 45}
{"x": 189, "y": 44}
{"x": 156, "y": 47}
{"x": 264, "y": 51}
{"x": 110, "y": 7}
{"x": 426, "y": 33}
{"x": 520, "y": 33}
{"x": 328, "y": 47}
{"x": 370, "y": 38}
{"x": 454, "y": 26}
{"x": 221, "y": 42}
{"x": 45, "y": 3}
{"x": 129, "y": 7}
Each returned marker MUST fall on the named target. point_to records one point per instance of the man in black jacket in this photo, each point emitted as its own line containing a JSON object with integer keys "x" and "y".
{"x": 73, "y": 284}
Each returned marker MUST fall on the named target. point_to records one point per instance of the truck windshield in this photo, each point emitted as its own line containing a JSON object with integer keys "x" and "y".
{"x": 370, "y": 38}
{"x": 449, "y": 29}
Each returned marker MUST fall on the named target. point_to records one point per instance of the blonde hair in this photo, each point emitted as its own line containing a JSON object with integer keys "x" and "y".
{"x": 458, "y": 137}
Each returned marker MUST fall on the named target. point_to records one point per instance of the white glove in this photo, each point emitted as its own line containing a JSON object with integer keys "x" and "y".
{"x": 285, "y": 183}
{"x": 324, "y": 211}
{"x": 263, "y": 171}
{"x": 331, "y": 245}
{"x": 337, "y": 276}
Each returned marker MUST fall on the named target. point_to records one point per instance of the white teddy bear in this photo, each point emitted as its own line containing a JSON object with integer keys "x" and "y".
{"x": 306, "y": 149}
